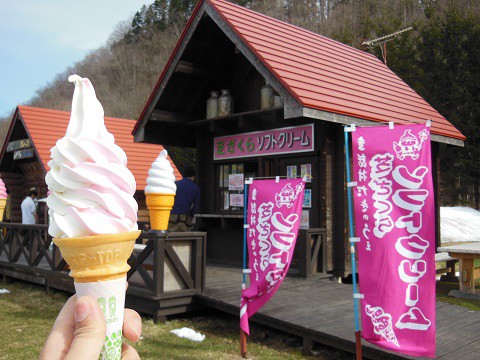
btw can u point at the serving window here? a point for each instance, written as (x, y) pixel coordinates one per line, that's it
(229, 194)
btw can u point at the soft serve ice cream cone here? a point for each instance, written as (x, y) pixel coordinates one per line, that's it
(92, 209)
(160, 191)
(3, 198)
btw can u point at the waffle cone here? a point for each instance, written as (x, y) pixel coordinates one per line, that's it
(159, 207)
(389, 335)
(99, 257)
(3, 203)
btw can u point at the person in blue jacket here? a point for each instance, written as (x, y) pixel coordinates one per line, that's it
(187, 201)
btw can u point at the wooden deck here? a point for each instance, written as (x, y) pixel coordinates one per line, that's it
(319, 310)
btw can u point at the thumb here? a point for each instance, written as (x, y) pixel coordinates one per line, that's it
(89, 331)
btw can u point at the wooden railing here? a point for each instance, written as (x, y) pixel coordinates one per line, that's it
(33, 242)
(168, 265)
(315, 255)
(162, 265)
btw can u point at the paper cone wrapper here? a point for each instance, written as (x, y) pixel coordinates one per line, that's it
(99, 267)
(3, 203)
(159, 207)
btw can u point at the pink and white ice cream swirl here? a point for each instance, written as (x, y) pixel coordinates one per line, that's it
(91, 187)
(3, 190)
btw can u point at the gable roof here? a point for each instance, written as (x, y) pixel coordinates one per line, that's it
(44, 127)
(321, 74)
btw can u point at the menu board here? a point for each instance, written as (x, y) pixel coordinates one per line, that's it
(235, 182)
(305, 220)
(236, 200)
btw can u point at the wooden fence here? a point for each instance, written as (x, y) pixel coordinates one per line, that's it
(167, 270)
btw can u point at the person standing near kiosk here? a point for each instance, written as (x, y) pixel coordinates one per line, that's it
(186, 203)
(29, 208)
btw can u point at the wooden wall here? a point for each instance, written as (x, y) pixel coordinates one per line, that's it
(18, 185)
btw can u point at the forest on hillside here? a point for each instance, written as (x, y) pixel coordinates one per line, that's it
(439, 58)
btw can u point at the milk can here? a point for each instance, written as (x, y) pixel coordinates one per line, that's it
(266, 97)
(225, 103)
(277, 101)
(212, 105)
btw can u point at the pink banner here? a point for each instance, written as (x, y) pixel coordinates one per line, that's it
(273, 219)
(269, 142)
(395, 220)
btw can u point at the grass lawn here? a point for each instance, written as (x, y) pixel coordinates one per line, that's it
(27, 314)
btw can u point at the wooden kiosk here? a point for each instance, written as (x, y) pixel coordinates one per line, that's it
(323, 85)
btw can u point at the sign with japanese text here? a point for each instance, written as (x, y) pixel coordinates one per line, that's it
(22, 154)
(259, 143)
(18, 144)
(395, 220)
(273, 219)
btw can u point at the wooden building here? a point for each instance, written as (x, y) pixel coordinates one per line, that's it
(26, 153)
(324, 85)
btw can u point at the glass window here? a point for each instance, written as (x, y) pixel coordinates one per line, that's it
(229, 184)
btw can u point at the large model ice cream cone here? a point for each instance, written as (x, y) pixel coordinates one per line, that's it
(3, 204)
(159, 208)
(99, 257)
(160, 191)
(3, 198)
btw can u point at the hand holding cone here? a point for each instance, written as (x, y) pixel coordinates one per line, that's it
(92, 210)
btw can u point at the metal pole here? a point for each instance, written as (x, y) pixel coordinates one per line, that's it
(358, 339)
(243, 336)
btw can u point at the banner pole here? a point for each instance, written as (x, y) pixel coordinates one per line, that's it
(243, 336)
(358, 338)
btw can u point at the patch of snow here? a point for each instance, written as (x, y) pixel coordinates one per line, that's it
(4, 291)
(459, 224)
(189, 334)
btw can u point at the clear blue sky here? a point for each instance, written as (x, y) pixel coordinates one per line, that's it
(41, 38)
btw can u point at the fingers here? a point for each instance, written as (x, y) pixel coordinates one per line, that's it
(61, 336)
(89, 332)
(132, 325)
(129, 353)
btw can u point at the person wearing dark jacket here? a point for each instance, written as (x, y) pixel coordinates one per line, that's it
(187, 201)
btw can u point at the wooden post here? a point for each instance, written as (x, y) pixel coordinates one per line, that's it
(358, 344)
(467, 277)
(243, 344)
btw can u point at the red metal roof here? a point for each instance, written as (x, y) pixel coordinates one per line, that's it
(327, 75)
(45, 127)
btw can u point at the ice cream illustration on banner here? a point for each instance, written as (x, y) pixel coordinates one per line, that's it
(3, 198)
(160, 191)
(382, 323)
(93, 212)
